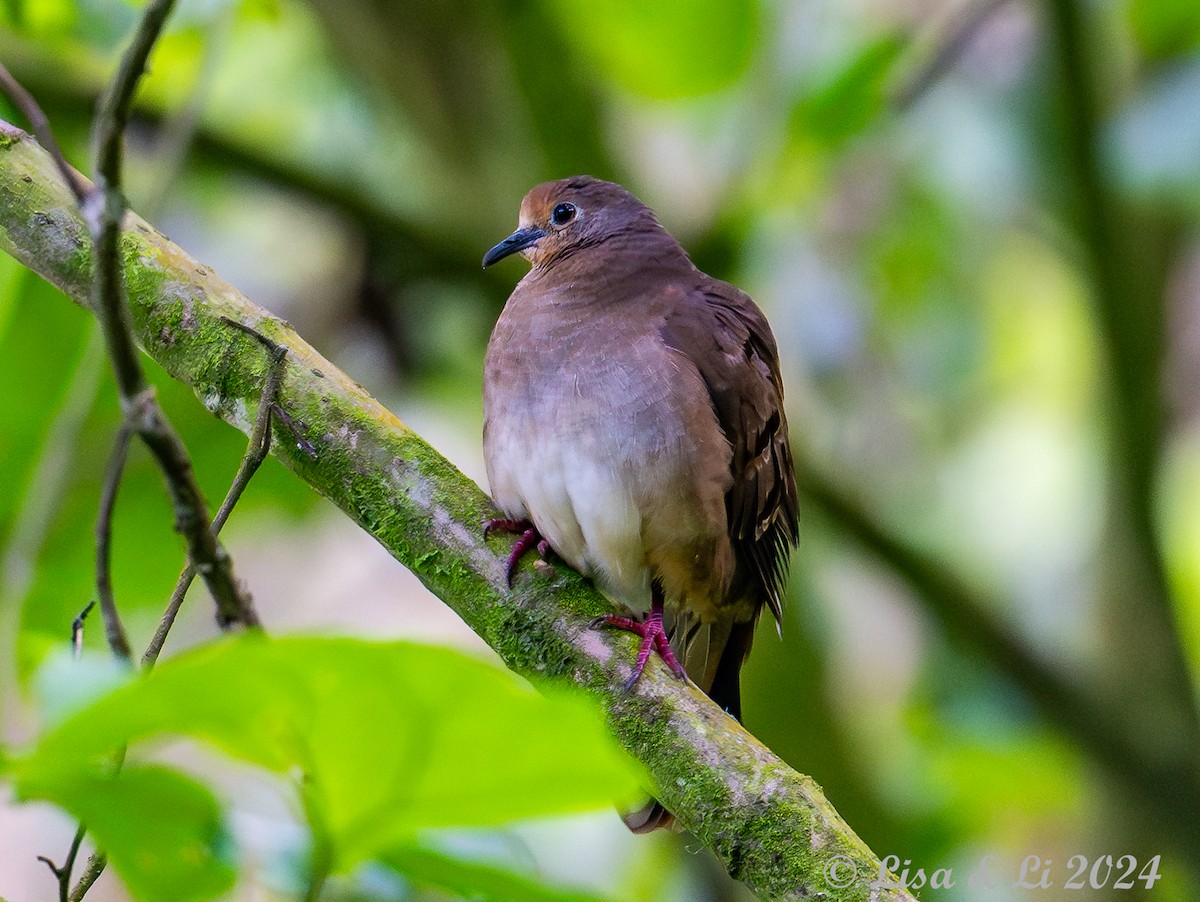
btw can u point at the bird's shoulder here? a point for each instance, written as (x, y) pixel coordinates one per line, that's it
(724, 333)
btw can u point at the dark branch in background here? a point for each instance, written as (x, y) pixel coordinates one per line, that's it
(966, 618)
(950, 44)
(1128, 307)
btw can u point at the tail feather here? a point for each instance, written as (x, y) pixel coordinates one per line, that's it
(650, 817)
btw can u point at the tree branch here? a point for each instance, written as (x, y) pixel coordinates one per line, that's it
(771, 826)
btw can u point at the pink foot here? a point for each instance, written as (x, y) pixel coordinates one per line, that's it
(653, 637)
(529, 538)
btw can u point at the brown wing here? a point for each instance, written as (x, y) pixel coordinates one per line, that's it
(722, 331)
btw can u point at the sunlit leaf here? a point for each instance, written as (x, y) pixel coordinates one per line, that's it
(40, 17)
(1165, 27)
(849, 100)
(390, 739)
(666, 49)
(162, 831)
(434, 867)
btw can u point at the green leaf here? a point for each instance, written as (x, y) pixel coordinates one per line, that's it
(41, 17)
(162, 831)
(848, 101)
(12, 278)
(664, 49)
(443, 870)
(1165, 28)
(390, 739)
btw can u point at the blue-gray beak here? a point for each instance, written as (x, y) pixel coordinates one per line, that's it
(518, 240)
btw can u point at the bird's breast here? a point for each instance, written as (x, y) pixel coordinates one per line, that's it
(586, 434)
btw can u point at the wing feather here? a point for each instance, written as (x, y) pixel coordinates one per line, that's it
(726, 336)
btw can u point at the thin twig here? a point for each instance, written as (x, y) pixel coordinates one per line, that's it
(40, 124)
(64, 880)
(91, 873)
(114, 630)
(258, 447)
(103, 208)
(63, 874)
(77, 628)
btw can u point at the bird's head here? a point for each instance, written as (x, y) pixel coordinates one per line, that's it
(561, 218)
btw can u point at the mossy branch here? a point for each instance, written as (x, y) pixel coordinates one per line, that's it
(771, 826)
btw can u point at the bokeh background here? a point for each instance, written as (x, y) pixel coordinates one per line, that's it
(974, 227)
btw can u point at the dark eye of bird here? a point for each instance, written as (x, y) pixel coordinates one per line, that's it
(563, 214)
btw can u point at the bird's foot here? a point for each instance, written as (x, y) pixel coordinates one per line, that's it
(529, 538)
(654, 637)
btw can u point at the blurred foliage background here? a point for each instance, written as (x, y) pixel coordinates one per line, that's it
(974, 227)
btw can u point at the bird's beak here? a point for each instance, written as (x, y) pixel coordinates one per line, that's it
(518, 240)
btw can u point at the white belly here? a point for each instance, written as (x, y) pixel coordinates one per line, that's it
(580, 494)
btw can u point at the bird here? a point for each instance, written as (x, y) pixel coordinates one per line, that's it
(634, 425)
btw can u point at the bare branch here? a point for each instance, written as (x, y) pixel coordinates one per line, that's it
(63, 874)
(103, 207)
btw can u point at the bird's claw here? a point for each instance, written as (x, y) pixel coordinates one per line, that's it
(654, 637)
(529, 538)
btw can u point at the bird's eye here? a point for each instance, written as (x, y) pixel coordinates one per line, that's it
(563, 214)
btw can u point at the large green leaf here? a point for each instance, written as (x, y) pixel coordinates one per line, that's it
(388, 739)
(431, 866)
(1165, 28)
(162, 831)
(664, 49)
